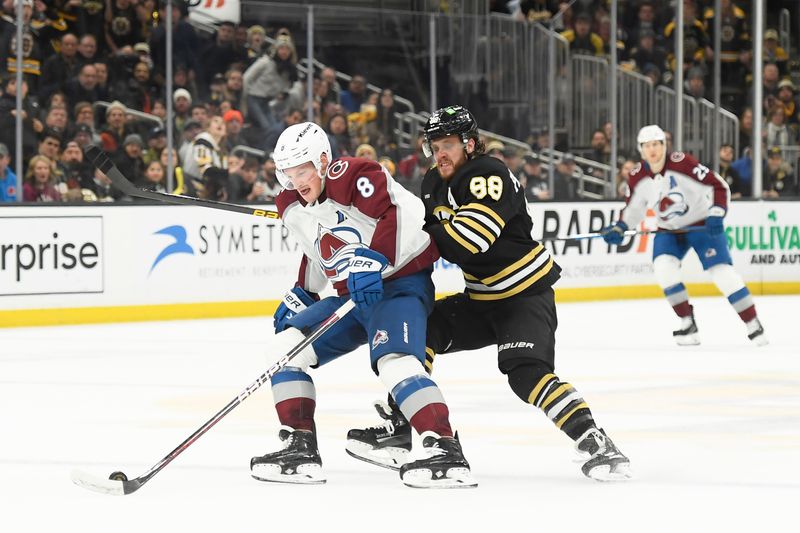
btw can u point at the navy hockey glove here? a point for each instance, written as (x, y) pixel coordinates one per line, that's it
(364, 280)
(714, 224)
(293, 302)
(614, 233)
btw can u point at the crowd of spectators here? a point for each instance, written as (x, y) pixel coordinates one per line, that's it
(94, 73)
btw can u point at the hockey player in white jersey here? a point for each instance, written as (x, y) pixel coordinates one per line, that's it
(362, 232)
(685, 195)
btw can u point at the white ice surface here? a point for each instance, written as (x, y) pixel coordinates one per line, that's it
(713, 432)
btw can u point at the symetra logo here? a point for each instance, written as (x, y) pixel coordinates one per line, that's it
(178, 246)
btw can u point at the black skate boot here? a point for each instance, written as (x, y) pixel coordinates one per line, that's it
(755, 332)
(443, 467)
(605, 462)
(687, 335)
(297, 462)
(385, 445)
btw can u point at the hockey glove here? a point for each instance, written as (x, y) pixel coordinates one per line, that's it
(614, 233)
(364, 280)
(293, 302)
(714, 224)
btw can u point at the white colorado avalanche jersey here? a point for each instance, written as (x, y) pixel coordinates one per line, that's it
(681, 194)
(360, 206)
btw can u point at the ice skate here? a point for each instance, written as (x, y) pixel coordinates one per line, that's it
(386, 444)
(755, 332)
(687, 335)
(443, 467)
(604, 462)
(297, 462)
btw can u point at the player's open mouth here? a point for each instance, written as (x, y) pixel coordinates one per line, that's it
(304, 191)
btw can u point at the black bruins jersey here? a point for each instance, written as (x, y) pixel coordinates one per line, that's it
(480, 221)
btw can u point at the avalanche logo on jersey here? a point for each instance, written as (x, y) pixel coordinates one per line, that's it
(335, 248)
(672, 205)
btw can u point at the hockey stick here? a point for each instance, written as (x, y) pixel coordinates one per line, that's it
(119, 485)
(100, 160)
(594, 235)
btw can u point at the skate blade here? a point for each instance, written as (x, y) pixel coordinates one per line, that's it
(761, 340)
(391, 457)
(308, 474)
(687, 340)
(621, 472)
(456, 478)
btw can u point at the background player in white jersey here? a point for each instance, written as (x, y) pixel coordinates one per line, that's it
(686, 195)
(361, 231)
(477, 213)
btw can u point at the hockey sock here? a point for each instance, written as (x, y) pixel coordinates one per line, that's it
(417, 396)
(678, 298)
(295, 398)
(732, 286)
(430, 355)
(563, 405)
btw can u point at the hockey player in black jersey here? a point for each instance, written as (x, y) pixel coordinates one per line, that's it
(477, 214)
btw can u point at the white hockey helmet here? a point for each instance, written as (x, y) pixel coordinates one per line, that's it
(298, 144)
(650, 133)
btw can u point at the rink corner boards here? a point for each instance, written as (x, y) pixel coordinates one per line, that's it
(203, 310)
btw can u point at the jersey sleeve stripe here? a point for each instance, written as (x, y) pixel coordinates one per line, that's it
(483, 220)
(470, 235)
(490, 237)
(459, 239)
(517, 289)
(515, 266)
(486, 210)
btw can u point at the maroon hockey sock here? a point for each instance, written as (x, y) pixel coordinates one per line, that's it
(682, 309)
(433, 417)
(748, 314)
(297, 413)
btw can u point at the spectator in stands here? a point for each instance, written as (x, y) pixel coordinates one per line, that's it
(39, 185)
(291, 117)
(142, 92)
(645, 22)
(143, 51)
(191, 129)
(367, 151)
(600, 146)
(234, 85)
(695, 39)
(355, 95)
(564, 188)
(537, 186)
(774, 53)
(49, 146)
(728, 173)
(646, 54)
(513, 159)
(328, 74)
(621, 182)
(83, 88)
(84, 114)
(770, 79)
(33, 54)
(736, 55)
(154, 177)
(87, 49)
(382, 129)
(496, 149)
(779, 182)
(74, 170)
(604, 31)
(270, 179)
(245, 186)
(129, 160)
(156, 142)
(218, 55)
(536, 10)
(206, 154)
(60, 67)
(122, 25)
(177, 170)
(339, 135)
(583, 41)
(233, 129)
(777, 132)
(270, 77)
(695, 84)
(256, 35)
(199, 112)
(746, 128)
(102, 88)
(116, 128)
(185, 45)
(182, 105)
(84, 136)
(102, 188)
(57, 118)
(786, 98)
(8, 180)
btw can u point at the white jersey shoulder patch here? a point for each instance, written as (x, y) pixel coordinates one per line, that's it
(677, 157)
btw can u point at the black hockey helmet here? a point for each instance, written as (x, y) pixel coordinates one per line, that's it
(450, 120)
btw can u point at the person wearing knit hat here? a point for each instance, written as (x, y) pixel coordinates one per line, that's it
(233, 114)
(256, 35)
(182, 93)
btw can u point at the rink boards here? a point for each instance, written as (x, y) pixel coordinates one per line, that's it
(84, 264)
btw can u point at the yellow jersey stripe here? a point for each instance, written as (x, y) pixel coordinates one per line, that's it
(460, 240)
(527, 258)
(555, 394)
(516, 290)
(539, 386)
(491, 237)
(486, 210)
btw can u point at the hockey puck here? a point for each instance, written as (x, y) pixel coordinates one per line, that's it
(118, 476)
